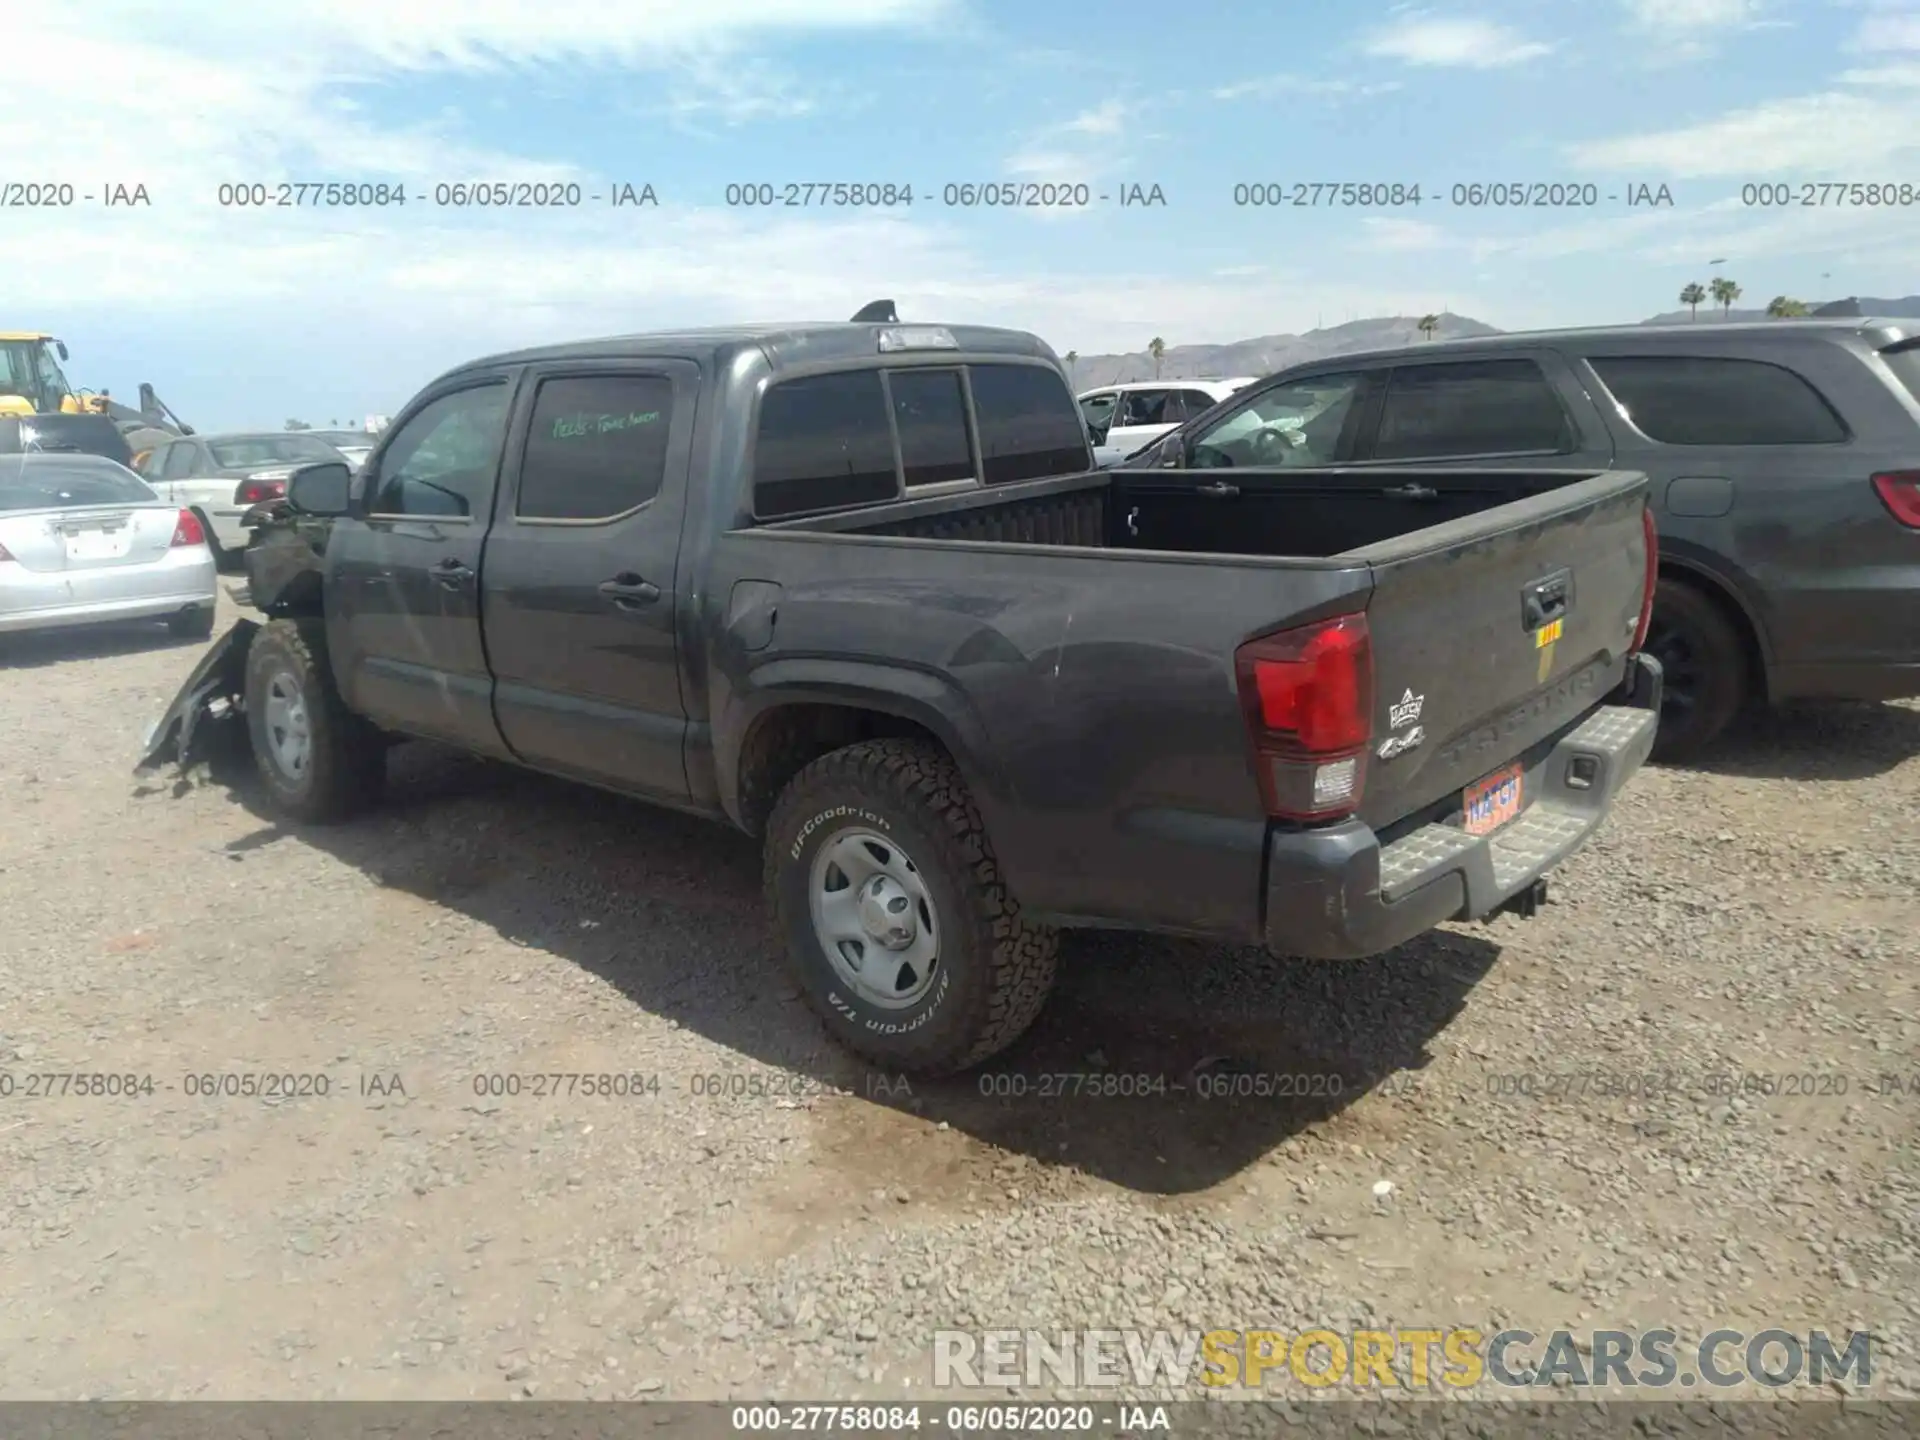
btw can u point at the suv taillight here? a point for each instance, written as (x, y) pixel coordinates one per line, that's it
(252, 492)
(1900, 493)
(1652, 581)
(188, 530)
(1308, 699)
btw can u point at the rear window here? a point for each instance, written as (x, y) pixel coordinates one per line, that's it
(44, 482)
(289, 449)
(1701, 400)
(823, 442)
(930, 412)
(71, 434)
(1486, 407)
(1904, 361)
(598, 446)
(1029, 424)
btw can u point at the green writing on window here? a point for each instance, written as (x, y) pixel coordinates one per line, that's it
(573, 427)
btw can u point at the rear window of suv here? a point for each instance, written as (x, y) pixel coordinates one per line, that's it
(1709, 400)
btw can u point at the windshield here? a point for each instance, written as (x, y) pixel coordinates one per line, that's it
(245, 450)
(28, 369)
(49, 483)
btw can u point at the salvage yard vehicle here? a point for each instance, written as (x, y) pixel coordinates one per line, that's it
(221, 477)
(857, 590)
(1784, 460)
(84, 540)
(1125, 417)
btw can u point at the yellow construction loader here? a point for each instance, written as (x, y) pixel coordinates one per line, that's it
(32, 383)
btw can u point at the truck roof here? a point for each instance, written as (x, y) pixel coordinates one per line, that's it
(784, 345)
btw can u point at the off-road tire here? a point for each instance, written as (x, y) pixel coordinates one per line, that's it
(1714, 672)
(194, 624)
(347, 764)
(995, 968)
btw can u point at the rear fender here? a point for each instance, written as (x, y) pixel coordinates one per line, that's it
(213, 691)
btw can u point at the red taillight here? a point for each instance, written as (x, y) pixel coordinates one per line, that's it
(1900, 493)
(1652, 583)
(252, 492)
(188, 530)
(1308, 698)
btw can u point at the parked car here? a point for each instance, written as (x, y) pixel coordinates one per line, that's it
(64, 435)
(356, 445)
(221, 477)
(84, 540)
(856, 590)
(1785, 462)
(1122, 418)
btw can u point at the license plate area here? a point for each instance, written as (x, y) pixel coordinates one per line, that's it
(101, 540)
(1488, 804)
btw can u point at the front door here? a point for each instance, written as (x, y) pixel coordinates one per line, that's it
(581, 593)
(403, 577)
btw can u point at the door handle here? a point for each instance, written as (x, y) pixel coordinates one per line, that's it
(1219, 490)
(1411, 492)
(452, 574)
(629, 591)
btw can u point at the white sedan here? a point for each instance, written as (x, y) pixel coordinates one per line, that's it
(85, 540)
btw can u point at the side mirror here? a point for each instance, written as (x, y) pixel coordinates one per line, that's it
(1173, 453)
(323, 489)
(61, 346)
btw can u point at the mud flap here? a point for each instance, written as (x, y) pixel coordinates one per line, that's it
(212, 693)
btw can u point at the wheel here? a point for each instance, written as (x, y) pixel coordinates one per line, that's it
(194, 624)
(1704, 665)
(319, 761)
(889, 903)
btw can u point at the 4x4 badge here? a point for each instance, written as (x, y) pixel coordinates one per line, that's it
(1399, 744)
(1406, 712)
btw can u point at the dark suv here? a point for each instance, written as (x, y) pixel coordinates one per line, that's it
(1784, 455)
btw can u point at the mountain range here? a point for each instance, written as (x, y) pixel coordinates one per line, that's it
(1264, 354)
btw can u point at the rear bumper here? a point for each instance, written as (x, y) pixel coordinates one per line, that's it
(1338, 894)
(182, 580)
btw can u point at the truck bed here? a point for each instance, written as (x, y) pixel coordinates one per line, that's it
(1304, 514)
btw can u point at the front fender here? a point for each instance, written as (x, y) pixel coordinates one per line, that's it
(213, 691)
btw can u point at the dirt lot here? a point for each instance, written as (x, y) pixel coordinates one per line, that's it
(766, 1218)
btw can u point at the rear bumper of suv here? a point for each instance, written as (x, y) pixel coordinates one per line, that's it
(1338, 894)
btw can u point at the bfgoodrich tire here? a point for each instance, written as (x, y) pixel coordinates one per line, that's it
(889, 904)
(318, 761)
(1704, 667)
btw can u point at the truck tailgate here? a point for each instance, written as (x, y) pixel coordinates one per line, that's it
(1494, 631)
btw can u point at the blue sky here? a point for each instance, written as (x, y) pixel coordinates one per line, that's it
(245, 317)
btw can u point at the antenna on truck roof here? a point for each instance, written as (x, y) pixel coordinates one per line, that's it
(880, 312)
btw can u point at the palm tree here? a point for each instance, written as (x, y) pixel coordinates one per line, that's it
(1725, 292)
(1157, 348)
(1783, 308)
(1691, 296)
(1073, 358)
(1429, 324)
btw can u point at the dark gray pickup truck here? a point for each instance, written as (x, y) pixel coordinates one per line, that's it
(858, 590)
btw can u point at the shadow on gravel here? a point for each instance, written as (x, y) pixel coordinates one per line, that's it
(1829, 740)
(35, 648)
(1214, 1055)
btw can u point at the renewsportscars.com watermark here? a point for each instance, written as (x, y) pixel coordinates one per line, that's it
(1453, 1358)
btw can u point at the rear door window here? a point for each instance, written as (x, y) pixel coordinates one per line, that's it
(1709, 400)
(597, 447)
(930, 414)
(824, 441)
(1029, 425)
(1470, 407)
(180, 462)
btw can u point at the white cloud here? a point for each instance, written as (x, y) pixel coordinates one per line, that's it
(1888, 30)
(1834, 134)
(1905, 75)
(1084, 149)
(1422, 38)
(1682, 15)
(1270, 86)
(1392, 233)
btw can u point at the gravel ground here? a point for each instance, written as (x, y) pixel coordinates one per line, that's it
(766, 1218)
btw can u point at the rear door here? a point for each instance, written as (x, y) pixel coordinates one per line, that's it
(1141, 416)
(1491, 634)
(581, 572)
(403, 575)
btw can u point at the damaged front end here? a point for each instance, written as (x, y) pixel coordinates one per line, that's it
(210, 701)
